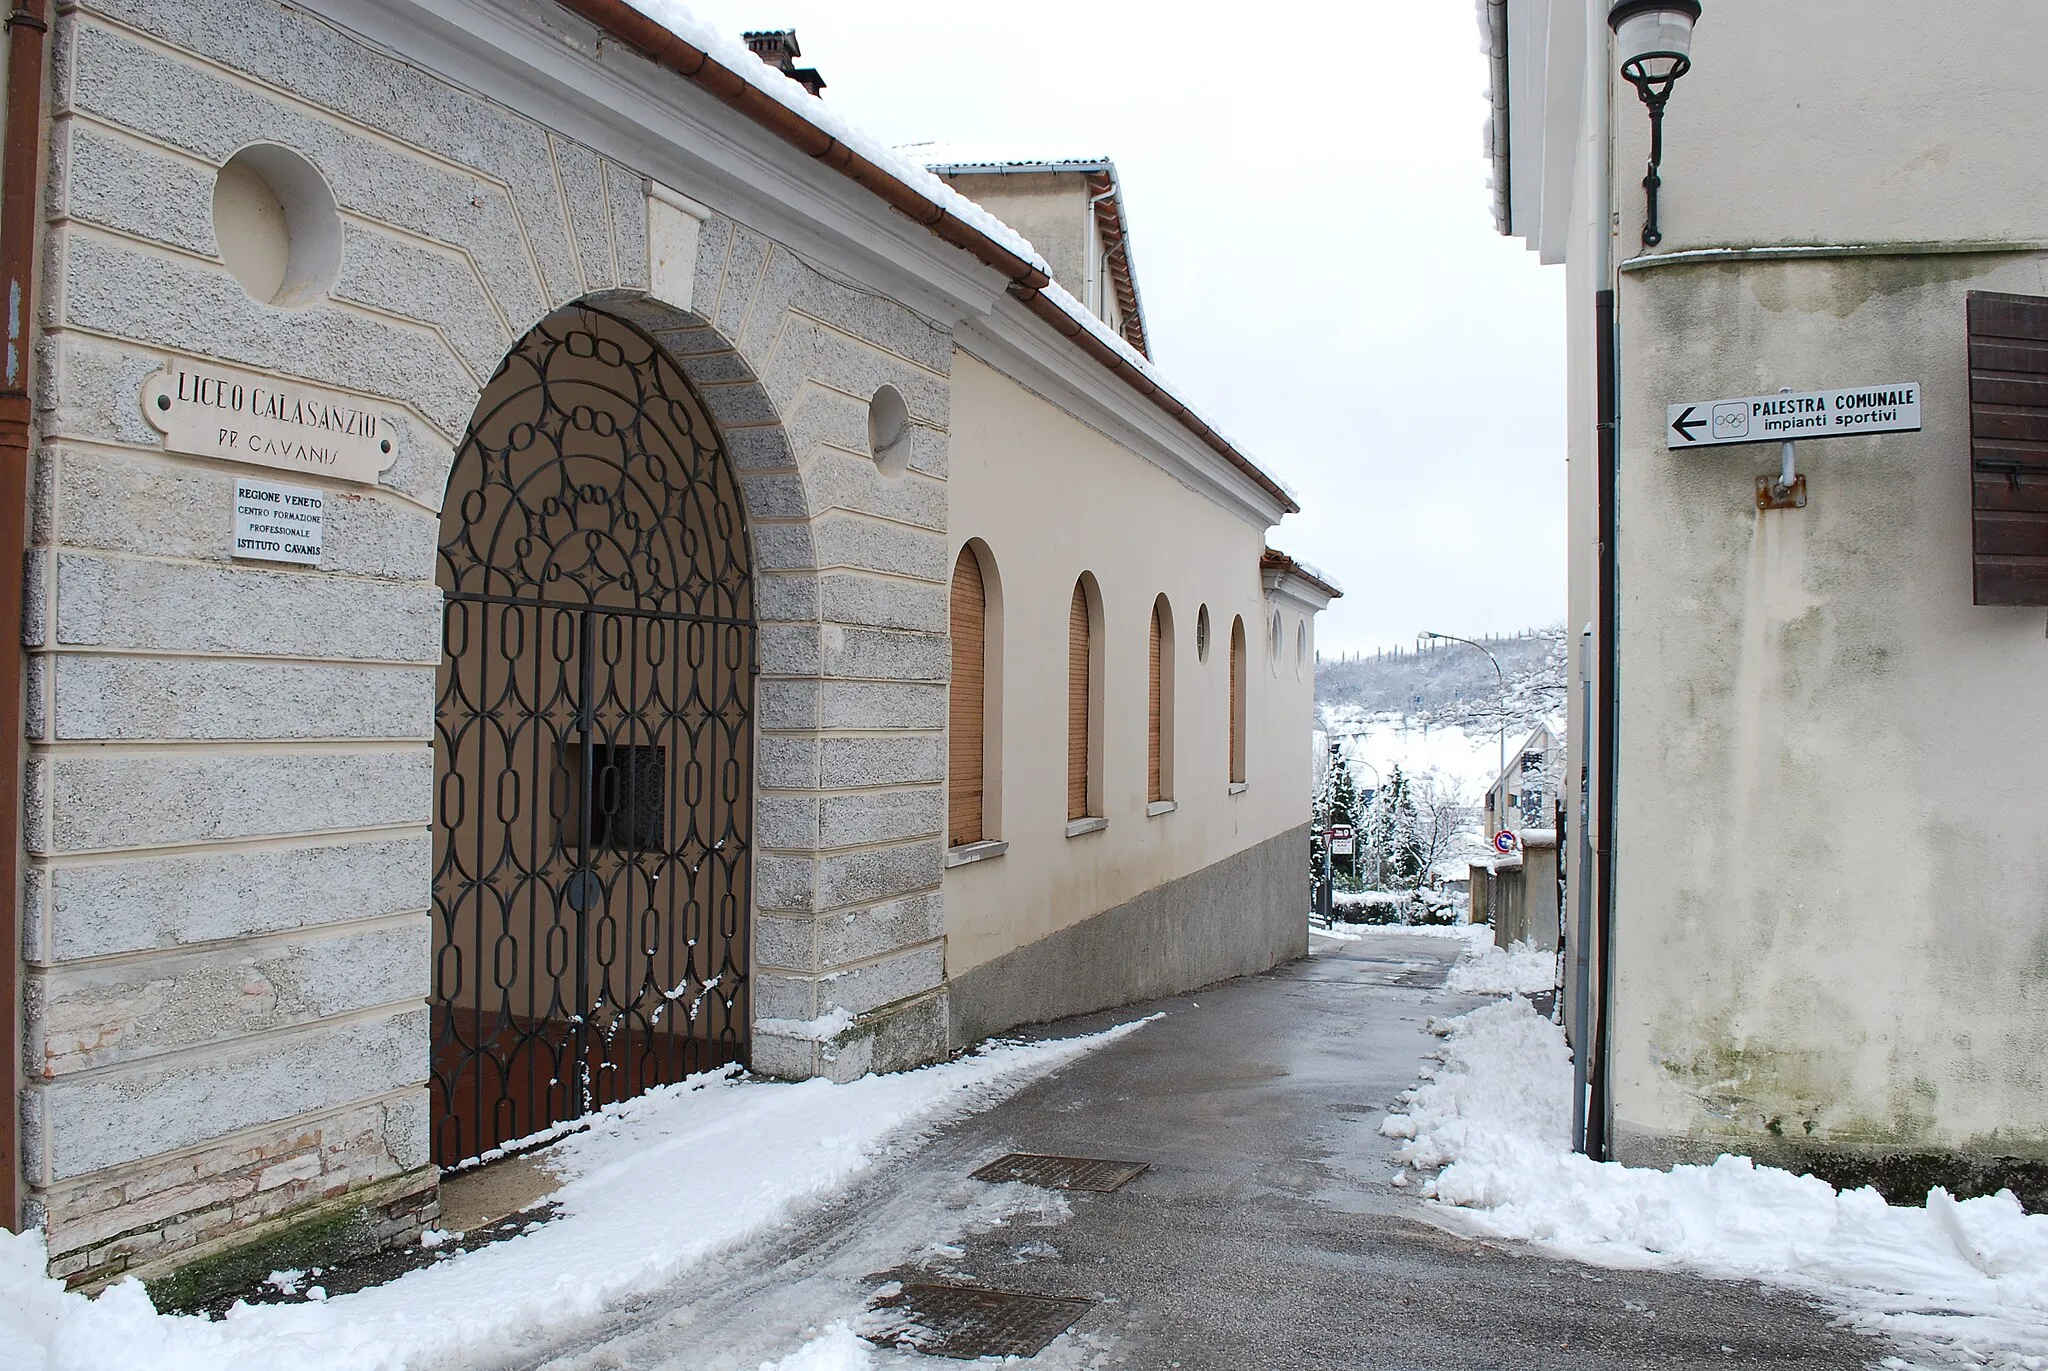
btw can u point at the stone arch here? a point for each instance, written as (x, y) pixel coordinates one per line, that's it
(596, 796)
(851, 562)
(750, 424)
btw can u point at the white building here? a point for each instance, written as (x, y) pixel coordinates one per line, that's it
(1823, 741)
(752, 614)
(1523, 795)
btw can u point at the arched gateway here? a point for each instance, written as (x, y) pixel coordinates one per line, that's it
(593, 741)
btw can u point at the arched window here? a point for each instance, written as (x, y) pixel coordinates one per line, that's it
(1159, 706)
(1084, 702)
(971, 723)
(1237, 684)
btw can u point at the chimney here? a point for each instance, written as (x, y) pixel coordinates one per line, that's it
(777, 47)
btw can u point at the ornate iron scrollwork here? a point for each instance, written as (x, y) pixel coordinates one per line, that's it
(592, 830)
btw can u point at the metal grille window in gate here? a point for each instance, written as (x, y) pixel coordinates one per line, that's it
(593, 742)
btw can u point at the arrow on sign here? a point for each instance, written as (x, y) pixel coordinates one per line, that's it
(1685, 424)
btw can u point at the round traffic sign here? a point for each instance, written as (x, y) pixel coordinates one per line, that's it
(1505, 842)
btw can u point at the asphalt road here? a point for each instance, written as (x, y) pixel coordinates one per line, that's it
(1264, 1235)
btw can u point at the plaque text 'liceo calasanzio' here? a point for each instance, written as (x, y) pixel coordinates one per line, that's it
(243, 416)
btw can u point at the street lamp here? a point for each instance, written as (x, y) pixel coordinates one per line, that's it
(1655, 41)
(1501, 679)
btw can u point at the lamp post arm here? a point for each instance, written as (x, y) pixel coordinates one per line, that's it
(1501, 680)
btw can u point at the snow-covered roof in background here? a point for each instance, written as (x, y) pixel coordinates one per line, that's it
(1280, 566)
(962, 159)
(941, 157)
(733, 55)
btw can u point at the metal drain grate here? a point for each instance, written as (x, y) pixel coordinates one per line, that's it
(1061, 1173)
(966, 1321)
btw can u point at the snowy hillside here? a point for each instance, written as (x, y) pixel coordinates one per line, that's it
(1467, 760)
(1442, 709)
(1404, 682)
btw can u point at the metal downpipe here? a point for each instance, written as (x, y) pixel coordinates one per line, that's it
(1599, 1103)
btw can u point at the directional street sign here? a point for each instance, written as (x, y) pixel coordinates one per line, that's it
(1892, 408)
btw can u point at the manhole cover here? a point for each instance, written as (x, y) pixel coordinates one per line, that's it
(967, 1321)
(1061, 1173)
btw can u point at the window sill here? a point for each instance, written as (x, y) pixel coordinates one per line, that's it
(1238, 787)
(1076, 827)
(976, 852)
(1158, 807)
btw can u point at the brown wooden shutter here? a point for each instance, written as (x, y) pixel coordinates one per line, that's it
(2009, 447)
(1078, 685)
(1237, 700)
(966, 703)
(1155, 788)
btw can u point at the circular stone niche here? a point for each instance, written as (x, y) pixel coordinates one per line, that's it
(277, 226)
(889, 431)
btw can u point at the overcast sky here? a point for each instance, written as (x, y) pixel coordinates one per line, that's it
(1312, 237)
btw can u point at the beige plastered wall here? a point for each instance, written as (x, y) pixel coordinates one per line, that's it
(1832, 890)
(1051, 209)
(1051, 498)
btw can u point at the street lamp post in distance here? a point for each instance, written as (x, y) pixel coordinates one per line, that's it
(1502, 680)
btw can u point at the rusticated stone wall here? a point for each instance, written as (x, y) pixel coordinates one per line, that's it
(227, 930)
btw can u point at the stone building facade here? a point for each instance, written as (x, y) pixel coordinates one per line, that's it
(241, 817)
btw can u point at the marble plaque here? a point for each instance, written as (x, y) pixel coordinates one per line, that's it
(245, 416)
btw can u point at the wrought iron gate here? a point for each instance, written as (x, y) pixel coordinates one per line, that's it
(593, 742)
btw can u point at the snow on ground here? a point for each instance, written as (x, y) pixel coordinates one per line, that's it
(838, 1349)
(1490, 970)
(653, 1186)
(1954, 1282)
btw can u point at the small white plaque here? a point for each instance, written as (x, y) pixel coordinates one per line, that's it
(278, 523)
(245, 416)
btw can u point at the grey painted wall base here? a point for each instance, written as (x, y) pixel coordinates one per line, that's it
(1244, 914)
(1903, 1175)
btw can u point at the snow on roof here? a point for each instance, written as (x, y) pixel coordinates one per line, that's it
(960, 159)
(943, 157)
(735, 56)
(1272, 559)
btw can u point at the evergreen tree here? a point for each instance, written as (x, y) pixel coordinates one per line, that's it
(1339, 803)
(1319, 816)
(1376, 829)
(1393, 834)
(1405, 860)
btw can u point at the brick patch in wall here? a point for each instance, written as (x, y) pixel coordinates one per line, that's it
(160, 1213)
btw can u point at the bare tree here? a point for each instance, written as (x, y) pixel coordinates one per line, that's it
(1446, 824)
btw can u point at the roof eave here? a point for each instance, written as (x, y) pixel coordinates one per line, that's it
(1495, 31)
(662, 46)
(1282, 572)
